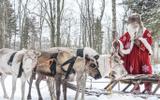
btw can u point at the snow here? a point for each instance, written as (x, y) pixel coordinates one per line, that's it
(96, 84)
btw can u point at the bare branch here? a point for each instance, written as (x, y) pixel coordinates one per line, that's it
(42, 17)
(102, 9)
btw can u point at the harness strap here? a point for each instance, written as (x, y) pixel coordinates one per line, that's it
(54, 55)
(70, 69)
(11, 59)
(71, 62)
(53, 68)
(20, 68)
(53, 65)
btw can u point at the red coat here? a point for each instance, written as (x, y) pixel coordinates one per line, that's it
(137, 59)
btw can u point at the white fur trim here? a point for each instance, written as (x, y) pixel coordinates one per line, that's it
(144, 29)
(127, 51)
(146, 44)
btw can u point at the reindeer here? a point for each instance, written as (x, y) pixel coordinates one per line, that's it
(19, 64)
(85, 63)
(43, 68)
(117, 69)
(81, 66)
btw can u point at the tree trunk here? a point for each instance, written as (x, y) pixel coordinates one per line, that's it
(52, 22)
(24, 28)
(15, 30)
(41, 24)
(58, 22)
(20, 24)
(113, 19)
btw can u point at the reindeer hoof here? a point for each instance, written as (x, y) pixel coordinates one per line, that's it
(40, 99)
(6, 97)
(11, 99)
(29, 98)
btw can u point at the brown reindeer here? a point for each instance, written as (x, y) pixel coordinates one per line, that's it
(82, 68)
(52, 56)
(82, 65)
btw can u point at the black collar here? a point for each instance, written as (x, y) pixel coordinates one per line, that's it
(11, 59)
(80, 52)
(20, 68)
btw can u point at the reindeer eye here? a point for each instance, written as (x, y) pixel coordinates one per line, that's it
(93, 65)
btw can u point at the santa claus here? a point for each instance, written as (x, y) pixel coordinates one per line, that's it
(135, 49)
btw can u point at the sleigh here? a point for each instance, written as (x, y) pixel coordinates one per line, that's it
(129, 81)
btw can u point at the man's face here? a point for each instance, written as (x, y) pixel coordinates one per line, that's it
(135, 25)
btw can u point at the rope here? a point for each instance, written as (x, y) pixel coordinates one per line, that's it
(98, 82)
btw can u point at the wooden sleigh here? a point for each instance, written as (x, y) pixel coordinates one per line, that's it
(130, 80)
(136, 79)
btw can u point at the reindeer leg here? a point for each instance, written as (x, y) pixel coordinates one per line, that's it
(83, 81)
(50, 83)
(23, 81)
(79, 75)
(30, 87)
(77, 91)
(3, 86)
(40, 77)
(65, 89)
(58, 84)
(14, 80)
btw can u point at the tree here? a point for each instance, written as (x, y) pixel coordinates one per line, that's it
(8, 23)
(33, 36)
(41, 22)
(114, 19)
(23, 24)
(90, 26)
(59, 14)
(53, 18)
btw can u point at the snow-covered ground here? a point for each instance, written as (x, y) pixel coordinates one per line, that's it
(99, 84)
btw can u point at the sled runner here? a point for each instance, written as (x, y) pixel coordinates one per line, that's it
(136, 79)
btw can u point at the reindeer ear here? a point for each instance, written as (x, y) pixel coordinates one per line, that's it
(96, 57)
(87, 57)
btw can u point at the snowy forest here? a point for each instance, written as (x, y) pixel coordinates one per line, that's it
(40, 24)
(43, 24)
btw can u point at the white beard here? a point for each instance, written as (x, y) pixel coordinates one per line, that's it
(132, 31)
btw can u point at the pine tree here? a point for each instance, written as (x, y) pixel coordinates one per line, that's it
(8, 23)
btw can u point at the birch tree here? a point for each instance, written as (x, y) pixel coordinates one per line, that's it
(23, 24)
(113, 19)
(91, 28)
(7, 23)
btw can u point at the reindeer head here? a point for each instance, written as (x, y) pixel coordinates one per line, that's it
(92, 66)
(116, 66)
